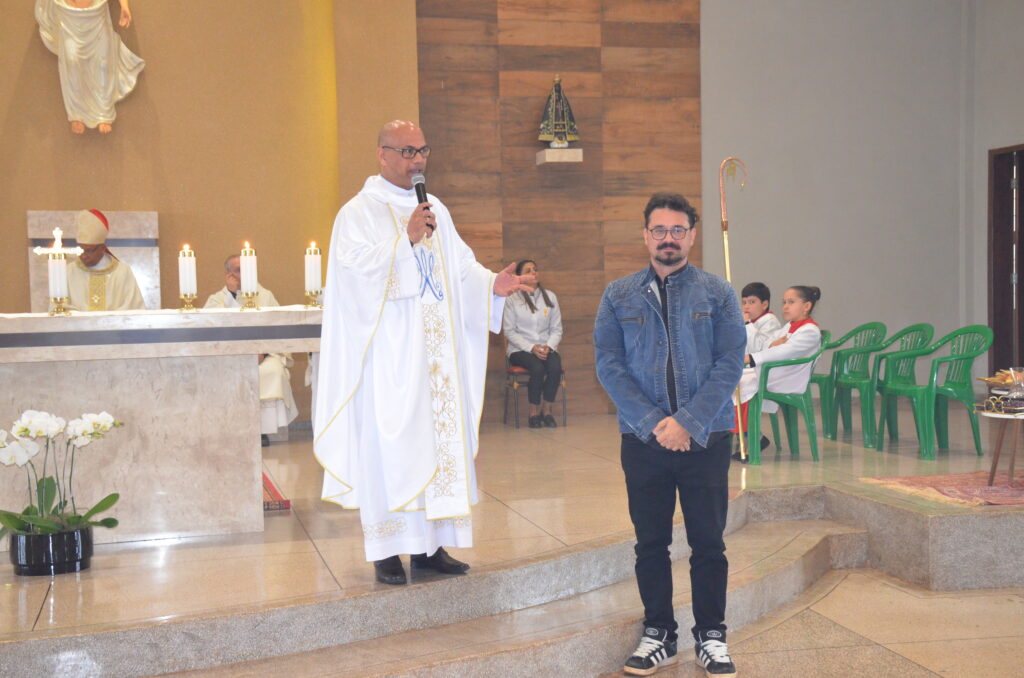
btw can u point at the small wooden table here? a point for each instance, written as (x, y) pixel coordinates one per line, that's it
(1004, 420)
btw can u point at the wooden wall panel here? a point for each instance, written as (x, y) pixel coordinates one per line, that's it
(550, 10)
(631, 69)
(652, 11)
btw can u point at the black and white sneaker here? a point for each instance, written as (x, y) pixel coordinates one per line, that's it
(655, 650)
(713, 654)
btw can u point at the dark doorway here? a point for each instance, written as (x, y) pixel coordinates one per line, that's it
(1005, 257)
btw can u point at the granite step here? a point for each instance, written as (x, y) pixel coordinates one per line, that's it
(589, 633)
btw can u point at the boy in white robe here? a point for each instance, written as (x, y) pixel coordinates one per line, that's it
(761, 323)
(403, 355)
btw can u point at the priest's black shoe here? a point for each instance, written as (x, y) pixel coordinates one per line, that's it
(536, 421)
(439, 562)
(390, 571)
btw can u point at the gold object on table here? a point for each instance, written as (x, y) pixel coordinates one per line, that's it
(60, 306)
(250, 301)
(311, 301)
(186, 303)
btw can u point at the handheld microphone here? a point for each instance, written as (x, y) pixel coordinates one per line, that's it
(419, 182)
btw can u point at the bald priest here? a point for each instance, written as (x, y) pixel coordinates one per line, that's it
(97, 280)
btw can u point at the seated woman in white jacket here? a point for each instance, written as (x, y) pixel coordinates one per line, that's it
(800, 337)
(533, 326)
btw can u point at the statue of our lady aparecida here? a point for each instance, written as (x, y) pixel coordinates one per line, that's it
(96, 69)
(558, 126)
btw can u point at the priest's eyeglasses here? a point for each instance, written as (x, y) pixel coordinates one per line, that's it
(678, 232)
(409, 152)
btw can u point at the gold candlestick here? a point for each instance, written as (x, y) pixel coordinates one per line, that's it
(250, 301)
(186, 303)
(59, 306)
(311, 301)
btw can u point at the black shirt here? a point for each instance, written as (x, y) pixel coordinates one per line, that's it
(670, 375)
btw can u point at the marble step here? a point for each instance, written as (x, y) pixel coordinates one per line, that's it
(590, 633)
(299, 624)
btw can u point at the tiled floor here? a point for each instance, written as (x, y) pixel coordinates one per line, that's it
(864, 623)
(541, 490)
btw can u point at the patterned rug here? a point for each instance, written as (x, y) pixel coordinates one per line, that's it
(273, 500)
(969, 489)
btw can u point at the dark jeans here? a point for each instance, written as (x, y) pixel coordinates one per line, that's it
(654, 475)
(545, 375)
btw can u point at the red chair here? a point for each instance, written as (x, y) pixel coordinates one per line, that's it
(518, 376)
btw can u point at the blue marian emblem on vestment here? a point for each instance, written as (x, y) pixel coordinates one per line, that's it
(429, 279)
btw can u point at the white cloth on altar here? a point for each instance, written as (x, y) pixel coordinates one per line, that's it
(108, 286)
(802, 343)
(379, 432)
(96, 69)
(277, 402)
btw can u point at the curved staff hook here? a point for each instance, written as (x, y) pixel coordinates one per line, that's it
(728, 168)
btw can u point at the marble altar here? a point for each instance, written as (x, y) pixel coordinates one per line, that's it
(188, 460)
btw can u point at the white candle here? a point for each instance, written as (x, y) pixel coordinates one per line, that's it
(312, 269)
(187, 271)
(57, 268)
(248, 267)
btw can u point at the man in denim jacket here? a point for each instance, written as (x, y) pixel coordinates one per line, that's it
(669, 342)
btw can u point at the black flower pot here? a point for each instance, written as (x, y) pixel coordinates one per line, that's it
(49, 554)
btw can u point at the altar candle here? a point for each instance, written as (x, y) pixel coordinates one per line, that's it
(187, 271)
(312, 269)
(57, 269)
(248, 267)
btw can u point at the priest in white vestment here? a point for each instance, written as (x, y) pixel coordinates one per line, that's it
(96, 69)
(277, 403)
(403, 357)
(97, 280)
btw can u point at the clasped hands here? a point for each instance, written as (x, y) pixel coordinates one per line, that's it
(541, 351)
(669, 433)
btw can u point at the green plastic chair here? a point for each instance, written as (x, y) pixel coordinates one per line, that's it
(851, 361)
(789, 403)
(826, 393)
(931, 401)
(897, 371)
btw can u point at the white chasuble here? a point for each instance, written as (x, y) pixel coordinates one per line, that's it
(110, 286)
(401, 375)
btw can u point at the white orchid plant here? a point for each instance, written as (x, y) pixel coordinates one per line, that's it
(51, 499)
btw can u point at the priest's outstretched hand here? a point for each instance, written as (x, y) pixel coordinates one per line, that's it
(508, 282)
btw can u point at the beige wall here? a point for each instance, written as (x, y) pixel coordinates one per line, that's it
(232, 132)
(850, 117)
(375, 43)
(995, 122)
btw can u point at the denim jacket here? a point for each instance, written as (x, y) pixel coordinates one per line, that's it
(708, 342)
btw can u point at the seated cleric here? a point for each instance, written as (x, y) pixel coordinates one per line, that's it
(97, 280)
(277, 404)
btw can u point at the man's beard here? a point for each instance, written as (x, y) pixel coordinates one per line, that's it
(669, 255)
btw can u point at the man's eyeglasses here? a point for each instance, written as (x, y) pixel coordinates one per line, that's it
(409, 152)
(678, 232)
